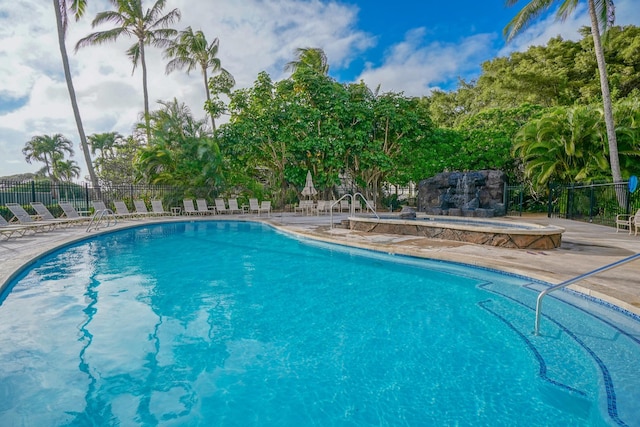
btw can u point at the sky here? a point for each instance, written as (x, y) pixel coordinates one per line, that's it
(409, 46)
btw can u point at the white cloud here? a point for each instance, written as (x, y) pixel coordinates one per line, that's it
(417, 68)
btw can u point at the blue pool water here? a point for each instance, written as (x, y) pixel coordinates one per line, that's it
(235, 324)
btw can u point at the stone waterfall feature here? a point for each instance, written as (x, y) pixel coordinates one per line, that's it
(475, 193)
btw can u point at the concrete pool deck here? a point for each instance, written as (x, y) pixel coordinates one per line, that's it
(585, 247)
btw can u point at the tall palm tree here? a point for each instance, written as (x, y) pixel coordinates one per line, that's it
(47, 149)
(191, 50)
(311, 58)
(62, 19)
(602, 16)
(148, 28)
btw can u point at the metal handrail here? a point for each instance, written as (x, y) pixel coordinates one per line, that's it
(574, 280)
(335, 203)
(99, 216)
(366, 202)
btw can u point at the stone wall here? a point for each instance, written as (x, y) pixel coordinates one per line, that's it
(475, 193)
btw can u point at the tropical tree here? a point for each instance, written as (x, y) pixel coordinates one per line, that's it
(566, 145)
(310, 58)
(62, 18)
(47, 149)
(191, 50)
(148, 28)
(181, 151)
(64, 170)
(601, 13)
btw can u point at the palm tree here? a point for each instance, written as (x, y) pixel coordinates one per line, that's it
(566, 144)
(601, 13)
(65, 170)
(149, 28)
(47, 149)
(310, 58)
(191, 50)
(62, 19)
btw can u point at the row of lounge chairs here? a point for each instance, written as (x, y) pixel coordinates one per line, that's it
(23, 222)
(202, 207)
(309, 207)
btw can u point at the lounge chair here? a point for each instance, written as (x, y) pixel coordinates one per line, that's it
(220, 206)
(9, 230)
(122, 211)
(98, 205)
(305, 206)
(344, 206)
(71, 213)
(46, 215)
(323, 207)
(626, 221)
(158, 209)
(233, 206)
(265, 206)
(23, 217)
(141, 208)
(203, 208)
(254, 206)
(189, 208)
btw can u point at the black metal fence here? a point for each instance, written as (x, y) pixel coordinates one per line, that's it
(596, 203)
(80, 195)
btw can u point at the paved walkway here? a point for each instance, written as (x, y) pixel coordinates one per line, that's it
(584, 248)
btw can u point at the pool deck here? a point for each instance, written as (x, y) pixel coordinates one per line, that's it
(585, 247)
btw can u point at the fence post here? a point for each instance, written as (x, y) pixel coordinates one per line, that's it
(550, 201)
(591, 202)
(86, 196)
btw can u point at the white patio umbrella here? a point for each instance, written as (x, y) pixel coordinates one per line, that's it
(309, 189)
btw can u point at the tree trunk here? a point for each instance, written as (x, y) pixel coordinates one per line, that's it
(72, 95)
(145, 91)
(614, 159)
(206, 88)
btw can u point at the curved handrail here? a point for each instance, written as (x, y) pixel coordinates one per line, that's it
(99, 216)
(366, 202)
(335, 203)
(574, 280)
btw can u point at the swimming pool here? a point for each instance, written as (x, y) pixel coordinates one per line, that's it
(231, 323)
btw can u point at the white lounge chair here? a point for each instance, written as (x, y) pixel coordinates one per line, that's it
(203, 208)
(233, 206)
(220, 206)
(122, 211)
(46, 215)
(636, 222)
(323, 207)
(23, 217)
(305, 207)
(141, 208)
(72, 213)
(254, 206)
(98, 205)
(628, 222)
(158, 209)
(9, 230)
(189, 208)
(265, 206)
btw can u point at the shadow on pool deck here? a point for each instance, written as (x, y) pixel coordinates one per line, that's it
(584, 247)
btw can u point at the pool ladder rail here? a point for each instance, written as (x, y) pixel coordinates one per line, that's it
(574, 280)
(352, 207)
(102, 218)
